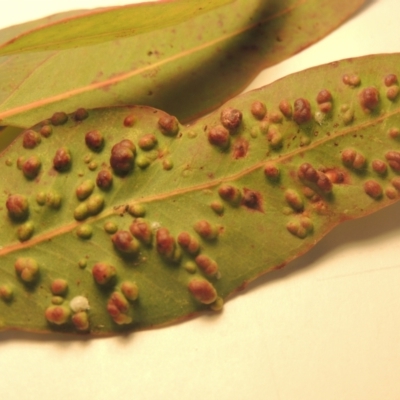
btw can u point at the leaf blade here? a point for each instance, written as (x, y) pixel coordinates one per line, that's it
(273, 222)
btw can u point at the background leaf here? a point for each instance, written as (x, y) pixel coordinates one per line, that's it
(186, 70)
(107, 24)
(253, 195)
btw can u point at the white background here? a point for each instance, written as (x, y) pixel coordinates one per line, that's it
(326, 327)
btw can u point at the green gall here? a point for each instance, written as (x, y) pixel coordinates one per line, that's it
(217, 207)
(110, 227)
(57, 300)
(190, 267)
(167, 164)
(274, 137)
(137, 209)
(31, 167)
(95, 204)
(84, 231)
(25, 231)
(218, 304)
(17, 206)
(85, 189)
(81, 212)
(147, 142)
(41, 198)
(130, 290)
(93, 165)
(142, 161)
(294, 200)
(53, 200)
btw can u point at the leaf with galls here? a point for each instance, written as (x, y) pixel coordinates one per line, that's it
(93, 242)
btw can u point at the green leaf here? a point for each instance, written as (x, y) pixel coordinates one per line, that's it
(185, 70)
(148, 222)
(107, 24)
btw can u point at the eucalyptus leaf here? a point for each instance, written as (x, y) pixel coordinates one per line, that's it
(121, 219)
(186, 70)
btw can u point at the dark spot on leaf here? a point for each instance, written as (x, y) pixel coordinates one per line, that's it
(219, 136)
(125, 242)
(59, 118)
(258, 109)
(122, 156)
(379, 166)
(351, 80)
(206, 264)
(202, 290)
(373, 189)
(231, 118)
(285, 108)
(31, 167)
(324, 96)
(62, 159)
(390, 80)
(104, 179)
(94, 140)
(168, 125)
(30, 139)
(302, 111)
(252, 200)
(17, 206)
(129, 121)
(81, 114)
(240, 148)
(393, 158)
(369, 99)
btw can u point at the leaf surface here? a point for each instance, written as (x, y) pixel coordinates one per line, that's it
(185, 70)
(193, 213)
